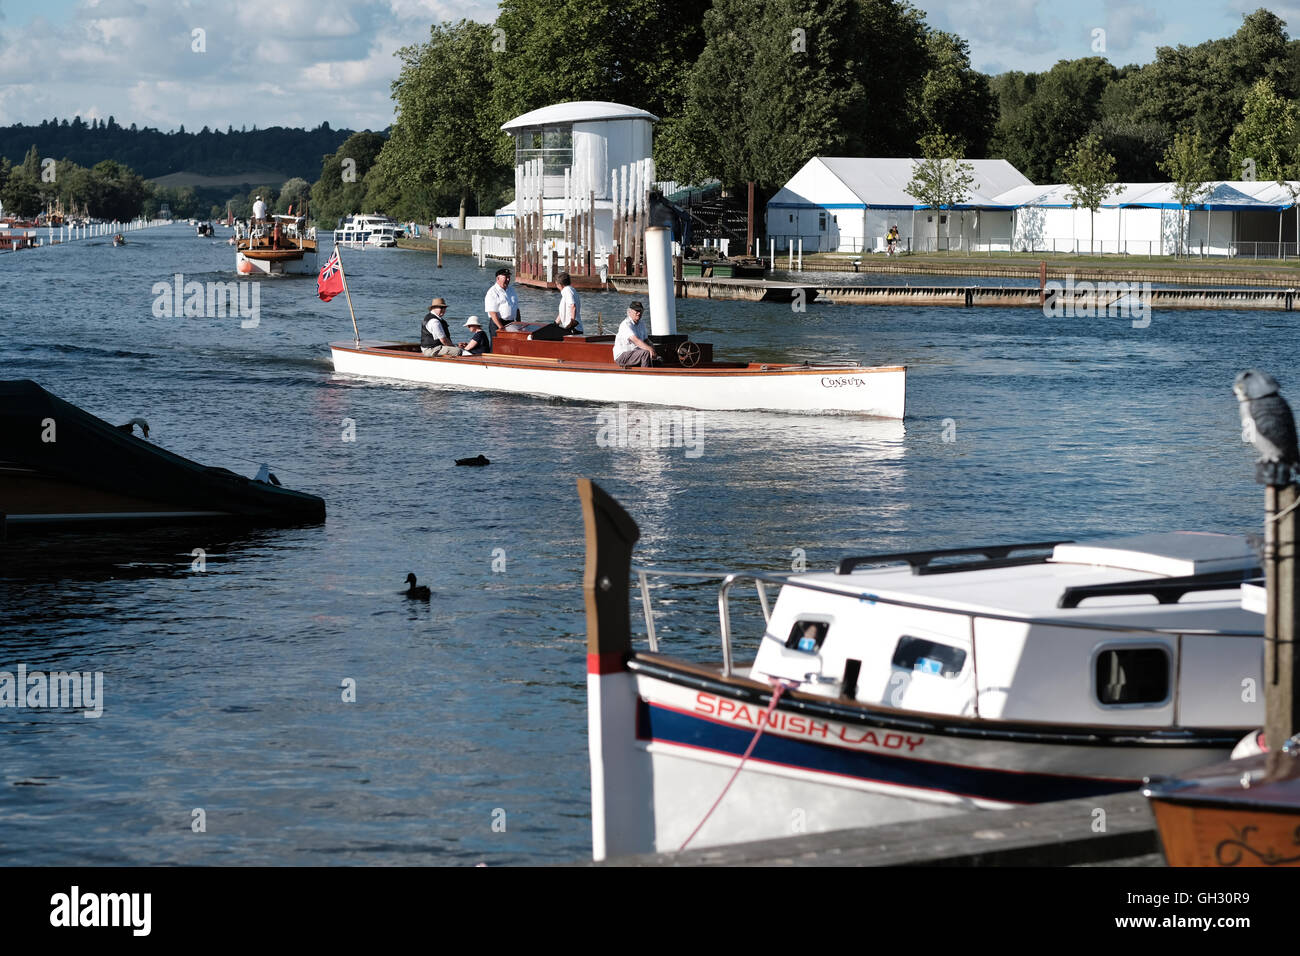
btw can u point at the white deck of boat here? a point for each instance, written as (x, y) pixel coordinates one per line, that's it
(1033, 590)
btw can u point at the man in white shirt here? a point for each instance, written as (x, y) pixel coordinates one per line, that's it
(570, 317)
(259, 209)
(631, 347)
(501, 304)
(435, 337)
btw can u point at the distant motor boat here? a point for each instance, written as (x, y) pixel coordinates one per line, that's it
(204, 229)
(92, 474)
(119, 240)
(358, 229)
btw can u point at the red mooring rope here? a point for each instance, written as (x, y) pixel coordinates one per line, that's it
(779, 687)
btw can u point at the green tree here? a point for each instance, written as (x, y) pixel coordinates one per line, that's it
(437, 143)
(1263, 143)
(1090, 172)
(293, 193)
(954, 98)
(776, 84)
(1187, 164)
(118, 192)
(22, 195)
(626, 51)
(341, 188)
(1205, 87)
(941, 180)
(1042, 115)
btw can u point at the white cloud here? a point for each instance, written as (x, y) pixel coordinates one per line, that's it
(282, 63)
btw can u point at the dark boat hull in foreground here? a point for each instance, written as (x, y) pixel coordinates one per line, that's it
(61, 467)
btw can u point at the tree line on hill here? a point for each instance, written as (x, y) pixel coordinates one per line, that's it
(151, 153)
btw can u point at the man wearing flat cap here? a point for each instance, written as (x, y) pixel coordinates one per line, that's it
(631, 345)
(501, 303)
(435, 337)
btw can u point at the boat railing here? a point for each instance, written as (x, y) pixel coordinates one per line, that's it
(788, 579)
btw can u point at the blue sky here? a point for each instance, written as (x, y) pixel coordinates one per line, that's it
(297, 62)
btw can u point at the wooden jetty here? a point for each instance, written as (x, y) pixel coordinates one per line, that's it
(1082, 298)
(750, 290)
(1116, 830)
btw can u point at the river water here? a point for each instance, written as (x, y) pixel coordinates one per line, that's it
(466, 742)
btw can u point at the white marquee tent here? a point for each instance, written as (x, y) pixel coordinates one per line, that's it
(847, 204)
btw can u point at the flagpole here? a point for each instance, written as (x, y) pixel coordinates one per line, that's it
(344, 275)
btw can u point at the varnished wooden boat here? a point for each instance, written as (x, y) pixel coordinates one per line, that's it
(582, 367)
(281, 246)
(1238, 813)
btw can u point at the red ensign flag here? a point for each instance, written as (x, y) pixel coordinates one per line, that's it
(330, 282)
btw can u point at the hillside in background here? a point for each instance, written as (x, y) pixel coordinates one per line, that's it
(232, 155)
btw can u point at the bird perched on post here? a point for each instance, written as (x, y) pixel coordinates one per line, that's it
(1267, 422)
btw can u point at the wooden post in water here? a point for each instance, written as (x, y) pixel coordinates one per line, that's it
(1282, 570)
(749, 220)
(439, 248)
(1042, 282)
(591, 231)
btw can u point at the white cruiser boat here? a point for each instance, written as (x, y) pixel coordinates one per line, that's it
(367, 229)
(915, 685)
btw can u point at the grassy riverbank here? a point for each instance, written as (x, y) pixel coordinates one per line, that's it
(1189, 271)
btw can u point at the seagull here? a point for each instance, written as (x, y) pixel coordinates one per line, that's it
(129, 427)
(1267, 420)
(416, 593)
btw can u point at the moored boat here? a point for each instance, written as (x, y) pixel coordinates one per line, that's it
(1238, 813)
(61, 467)
(929, 684)
(361, 228)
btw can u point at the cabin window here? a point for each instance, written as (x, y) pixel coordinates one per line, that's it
(1132, 675)
(929, 657)
(807, 636)
(943, 220)
(792, 217)
(821, 221)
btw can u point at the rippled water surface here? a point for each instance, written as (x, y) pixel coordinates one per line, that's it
(222, 687)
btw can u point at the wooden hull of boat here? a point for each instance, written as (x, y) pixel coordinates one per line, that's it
(292, 261)
(1241, 813)
(852, 389)
(1228, 836)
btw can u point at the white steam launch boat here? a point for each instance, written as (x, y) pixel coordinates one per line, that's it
(916, 685)
(583, 367)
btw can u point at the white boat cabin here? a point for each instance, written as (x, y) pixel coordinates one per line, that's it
(1099, 634)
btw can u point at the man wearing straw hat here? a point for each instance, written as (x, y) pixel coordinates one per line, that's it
(435, 338)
